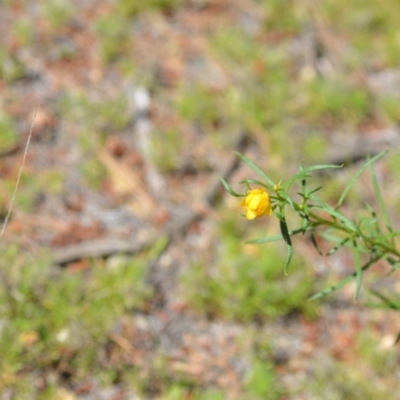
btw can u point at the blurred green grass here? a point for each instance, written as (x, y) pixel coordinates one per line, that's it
(50, 316)
(247, 284)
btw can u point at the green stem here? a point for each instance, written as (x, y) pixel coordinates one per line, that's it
(317, 220)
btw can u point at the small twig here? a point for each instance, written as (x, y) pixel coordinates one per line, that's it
(19, 175)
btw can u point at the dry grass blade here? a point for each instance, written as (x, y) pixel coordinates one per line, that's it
(19, 175)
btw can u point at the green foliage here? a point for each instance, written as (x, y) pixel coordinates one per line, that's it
(244, 286)
(371, 28)
(179, 392)
(166, 146)
(262, 383)
(31, 188)
(367, 237)
(314, 146)
(390, 108)
(93, 172)
(334, 102)
(282, 17)
(383, 358)
(394, 170)
(110, 113)
(57, 13)
(130, 8)
(11, 67)
(232, 43)
(49, 315)
(29, 191)
(53, 180)
(261, 100)
(24, 30)
(8, 133)
(196, 103)
(336, 383)
(113, 34)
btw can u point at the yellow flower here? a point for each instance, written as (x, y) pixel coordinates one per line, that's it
(257, 203)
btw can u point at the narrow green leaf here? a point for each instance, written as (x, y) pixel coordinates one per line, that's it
(332, 288)
(389, 303)
(286, 238)
(267, 239)
(307, 195)
(306, 211)
(397, 339)
(325, 207)
(303, 187)
(374, 221)
(255, 181)
(255, 168)
(370, 209)
(289, 201)
(344, 281)
(275, 238)
(289, 257)
(393, 262)
(229, 189)
(357, 260)
(306, 222)
(339, 246)
(300, 175)
(285, 231)
(371, 224)
(342, 243)
(392, 235)
(381, 203)
(304, 173)
(339, 216)
(314, 242)
(315, 190)
(355, 177)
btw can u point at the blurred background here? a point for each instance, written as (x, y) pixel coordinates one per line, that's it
(124, 268)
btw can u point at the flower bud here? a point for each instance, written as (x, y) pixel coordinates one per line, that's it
(257, 203)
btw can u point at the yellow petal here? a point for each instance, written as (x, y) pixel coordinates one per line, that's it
(250, 214)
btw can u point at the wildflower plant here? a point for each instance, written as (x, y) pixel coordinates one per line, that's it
(369, 239)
